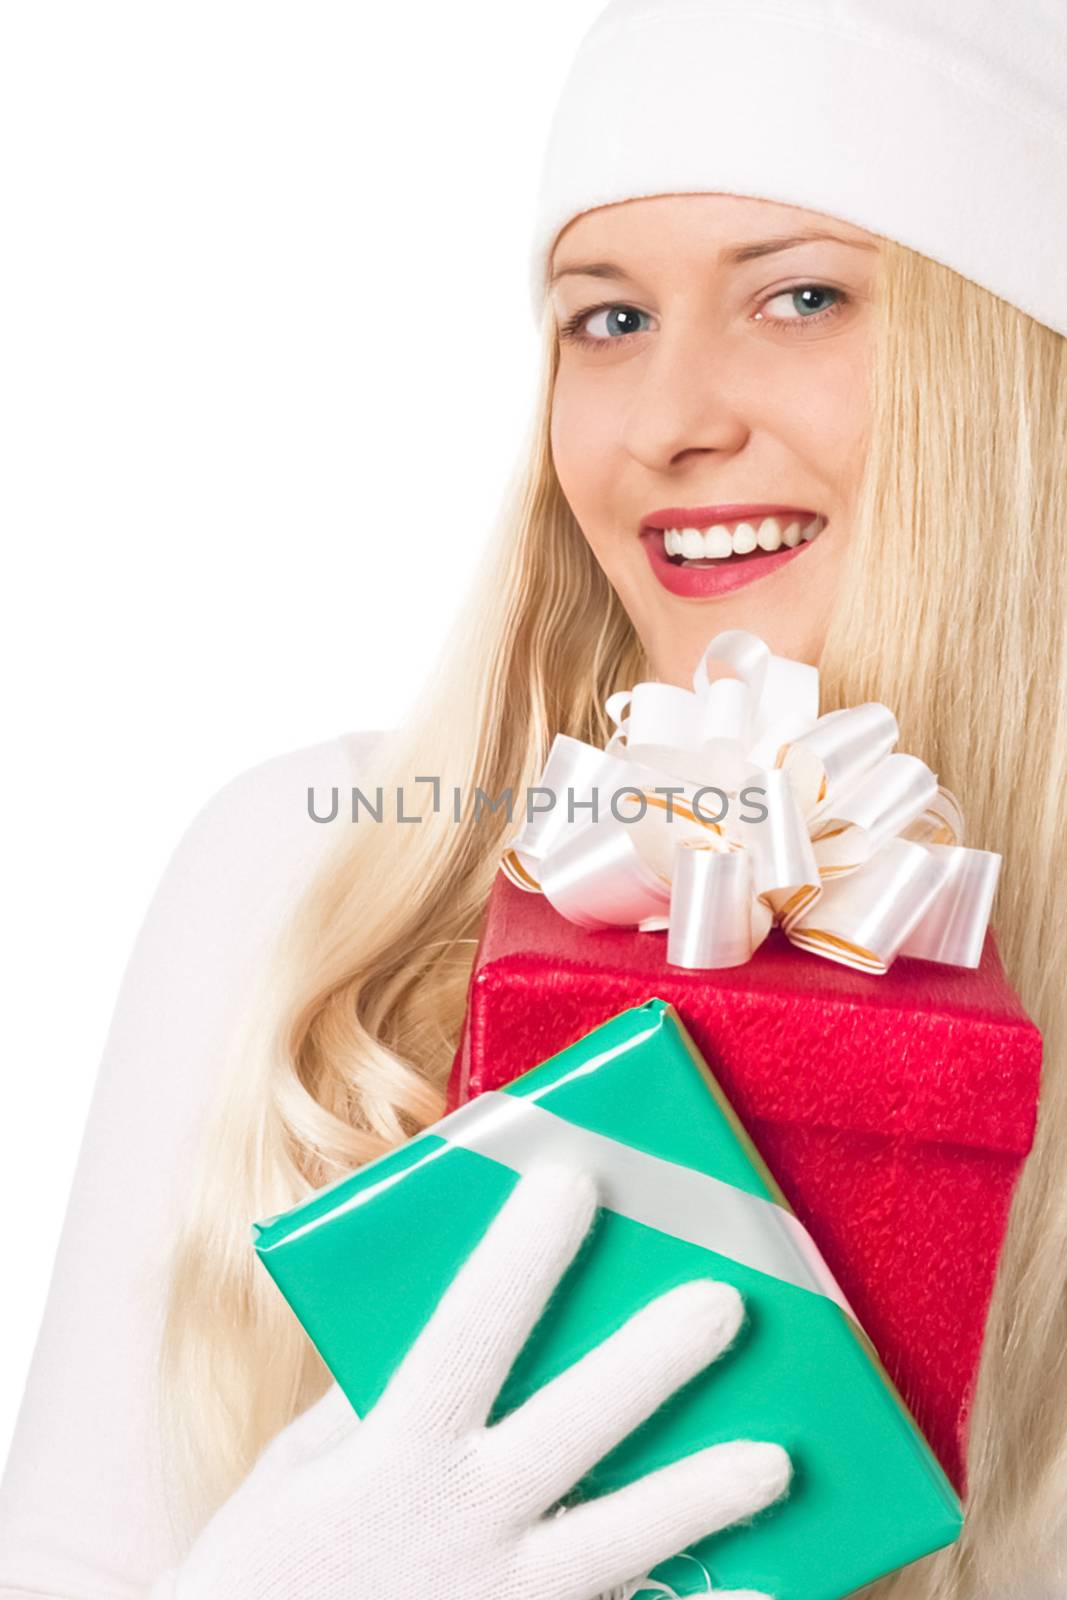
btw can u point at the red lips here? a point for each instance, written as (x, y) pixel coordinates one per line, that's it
(707, 516)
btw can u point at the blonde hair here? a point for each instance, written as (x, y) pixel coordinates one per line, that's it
(952, 610)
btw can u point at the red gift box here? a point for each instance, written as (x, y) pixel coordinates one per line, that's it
(895, 1111)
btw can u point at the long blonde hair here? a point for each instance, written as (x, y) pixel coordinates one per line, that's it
(952, 610)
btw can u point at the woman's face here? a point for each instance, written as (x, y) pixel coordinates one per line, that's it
(709, 412)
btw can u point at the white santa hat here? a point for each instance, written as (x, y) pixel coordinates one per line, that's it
(941, 124)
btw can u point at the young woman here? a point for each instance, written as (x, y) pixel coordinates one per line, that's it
(805, 372)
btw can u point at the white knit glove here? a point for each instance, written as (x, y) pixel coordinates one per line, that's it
(422, 1498)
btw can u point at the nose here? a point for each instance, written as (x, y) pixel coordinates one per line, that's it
(686, 402)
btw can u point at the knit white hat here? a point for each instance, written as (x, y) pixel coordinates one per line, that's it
(941, 124)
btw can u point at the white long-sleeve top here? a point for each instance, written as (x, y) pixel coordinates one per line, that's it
(81, 1509)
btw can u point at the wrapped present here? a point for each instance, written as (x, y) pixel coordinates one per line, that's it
(894, 1110)
(684, 1194)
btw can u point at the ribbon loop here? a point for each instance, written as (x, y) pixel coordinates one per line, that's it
(727, 712)
(710, 917)
(954, 926)
(599, 879)
(849, 742)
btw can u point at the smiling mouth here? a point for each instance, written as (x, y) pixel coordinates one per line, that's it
(705, 552)
(735, 541)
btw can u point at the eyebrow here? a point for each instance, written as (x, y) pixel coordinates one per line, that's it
(733, 255)
(767, 247)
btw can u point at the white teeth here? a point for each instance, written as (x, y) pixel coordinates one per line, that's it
(717, 542)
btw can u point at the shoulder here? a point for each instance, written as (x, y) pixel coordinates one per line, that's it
(268, 804)
(233, 875)
(222, 900)
(259, 830)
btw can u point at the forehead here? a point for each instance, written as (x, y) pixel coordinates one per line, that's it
(701, 222)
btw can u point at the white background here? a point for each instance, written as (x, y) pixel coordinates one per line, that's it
(266, 360)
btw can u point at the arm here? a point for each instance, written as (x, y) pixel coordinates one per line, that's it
(81, 1513)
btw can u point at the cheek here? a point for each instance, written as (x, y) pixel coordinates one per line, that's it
(584, 449)
(824, 417)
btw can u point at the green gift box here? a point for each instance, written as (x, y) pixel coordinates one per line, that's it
(684, 1194)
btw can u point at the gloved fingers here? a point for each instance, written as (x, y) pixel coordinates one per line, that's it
(606, 1541)
(321, 1425)
(453, 1372)
(562, 1430)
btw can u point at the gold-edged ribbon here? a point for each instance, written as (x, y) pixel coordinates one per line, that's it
(777, 817)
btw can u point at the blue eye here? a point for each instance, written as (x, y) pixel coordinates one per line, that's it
(616, 321)
(805, 301)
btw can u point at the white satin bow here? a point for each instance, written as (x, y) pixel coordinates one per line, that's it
(857, 855)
